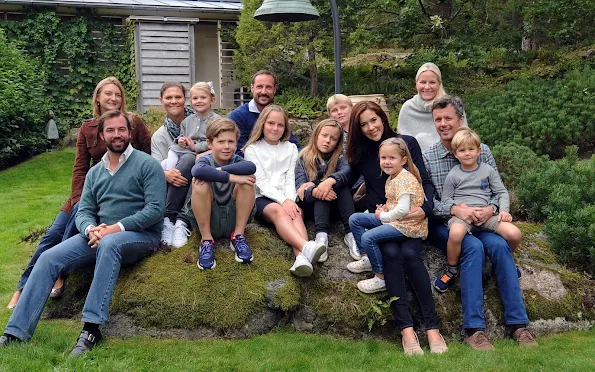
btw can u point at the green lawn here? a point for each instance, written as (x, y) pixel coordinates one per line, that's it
(32, 192)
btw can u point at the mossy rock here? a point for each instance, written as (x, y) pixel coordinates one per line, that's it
(167, 295)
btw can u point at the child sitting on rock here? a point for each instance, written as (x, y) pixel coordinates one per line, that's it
(322, 180)
(473, 185)
(222, 193)
(275, 158)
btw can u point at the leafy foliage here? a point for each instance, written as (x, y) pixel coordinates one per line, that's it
(23, 106)
(543, 115)
(74, 54)
(563, 193)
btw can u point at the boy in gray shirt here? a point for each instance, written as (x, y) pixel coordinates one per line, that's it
(474, 185)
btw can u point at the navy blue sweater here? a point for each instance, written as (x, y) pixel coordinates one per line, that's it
(245, 120)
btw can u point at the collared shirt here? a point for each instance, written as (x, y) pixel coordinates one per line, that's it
(123, 157)
(252, 107)
(439, 161)
(106, 163)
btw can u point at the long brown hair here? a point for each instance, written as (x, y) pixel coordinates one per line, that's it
(257, 131)
(401, 146)
(99, 87)
(312, 155)
(355, 151)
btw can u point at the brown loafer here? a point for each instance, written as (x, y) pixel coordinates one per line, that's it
(524, 337)
(479, 341)
(57, 292)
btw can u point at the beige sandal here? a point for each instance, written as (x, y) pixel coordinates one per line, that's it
(412, 347)
(438, 347)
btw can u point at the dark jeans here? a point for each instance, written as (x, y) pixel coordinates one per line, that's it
(176, 196)
(61, 229)
(405, 258)
(322, 211)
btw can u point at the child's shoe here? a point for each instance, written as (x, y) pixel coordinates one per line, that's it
(349, 241)
(167, 235)
(180, 234)
(313, 250)
(239, 245)
(302, 266)
(360, 266)
(322, 239)
(444, 281)
(372, 285)
(206, 255)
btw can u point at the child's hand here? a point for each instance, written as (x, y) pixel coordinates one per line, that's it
(190, 144)
(504, 217)
(302, 189)
(292, 209)
(379, 209)
(242, 180)
(182, 142)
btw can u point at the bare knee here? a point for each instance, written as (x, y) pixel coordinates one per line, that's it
(201, 189)
(457, 233)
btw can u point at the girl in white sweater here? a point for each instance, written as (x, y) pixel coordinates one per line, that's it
(275, 158)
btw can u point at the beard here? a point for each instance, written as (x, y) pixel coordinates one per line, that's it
(117, 148)
(268, 98)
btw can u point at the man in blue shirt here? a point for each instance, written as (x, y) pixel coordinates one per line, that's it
(120, 217)
(263, 88)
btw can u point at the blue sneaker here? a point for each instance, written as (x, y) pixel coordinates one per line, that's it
(239, 245)
(444, 281)
(206, 255)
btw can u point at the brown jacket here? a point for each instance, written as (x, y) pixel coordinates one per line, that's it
(90, 148)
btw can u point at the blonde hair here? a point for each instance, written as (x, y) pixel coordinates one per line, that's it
(95, 103)
(205, 87)
(220, 125)
(335, 99)
(258, 130)
(313, 156)
(429, 66)
(465, 136)
(403, 151)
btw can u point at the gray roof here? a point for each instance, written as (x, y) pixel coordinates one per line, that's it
(232, 6)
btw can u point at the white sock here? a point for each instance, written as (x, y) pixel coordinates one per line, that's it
(380, 281)
(321, 236)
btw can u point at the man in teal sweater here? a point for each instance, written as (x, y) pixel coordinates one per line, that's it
(120, 218)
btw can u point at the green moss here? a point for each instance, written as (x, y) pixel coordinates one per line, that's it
(569, 306)
(529, 228)
(288, 296)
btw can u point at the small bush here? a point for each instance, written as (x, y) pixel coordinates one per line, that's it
(154, 118)
(298, 104)
(543, 115)
(515, 160)
(23, 106)
(562, 192)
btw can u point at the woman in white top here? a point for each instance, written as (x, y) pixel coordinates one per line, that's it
(275, 158)
(415, 117)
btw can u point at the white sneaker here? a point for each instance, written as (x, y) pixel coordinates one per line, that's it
(313, 250)
(322, 240)
(180, 235)
(167, 234)
(360, 266)
(349, 241)
(301, 267)
(372, 285)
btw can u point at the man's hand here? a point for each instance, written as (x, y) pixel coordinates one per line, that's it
(301, 191)
(242, 180)
(416, 215)
(292, 209)
(483, 214)
(98, 232)
(175, 178)
(504, 217)
(465, 213)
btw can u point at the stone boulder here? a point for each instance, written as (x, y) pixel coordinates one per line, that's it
(168, 296)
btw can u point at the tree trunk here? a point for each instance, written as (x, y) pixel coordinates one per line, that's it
(313, 71)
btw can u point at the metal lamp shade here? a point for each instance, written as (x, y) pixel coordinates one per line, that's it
(286, 11)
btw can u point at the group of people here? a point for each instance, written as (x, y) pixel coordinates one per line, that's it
(433, 179)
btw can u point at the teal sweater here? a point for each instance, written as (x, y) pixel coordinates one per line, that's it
(134, 195)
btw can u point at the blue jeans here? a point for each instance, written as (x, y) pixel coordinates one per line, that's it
(473, 252)
(62, 228)
(115, 249)
(368, 241)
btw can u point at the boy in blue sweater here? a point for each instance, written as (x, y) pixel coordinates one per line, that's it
(223, 194)
(120, 218)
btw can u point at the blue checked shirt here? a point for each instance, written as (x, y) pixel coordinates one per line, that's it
(439, 161)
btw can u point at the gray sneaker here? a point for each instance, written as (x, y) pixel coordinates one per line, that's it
(349, 241)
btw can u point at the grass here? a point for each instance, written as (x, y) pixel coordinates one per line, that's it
(32, 192)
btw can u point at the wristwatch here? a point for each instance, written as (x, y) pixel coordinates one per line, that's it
(495, 209)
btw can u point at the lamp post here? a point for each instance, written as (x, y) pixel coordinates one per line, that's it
(299, 11)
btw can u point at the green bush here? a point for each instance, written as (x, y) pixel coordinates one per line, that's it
(541, 114)
(562, 193)
(23, 107)
(298, 104)
(515, 160)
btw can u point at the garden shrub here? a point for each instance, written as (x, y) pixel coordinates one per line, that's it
(299, 105)
(562, 193)
(515, 160)
(543, 115)
(23, 107)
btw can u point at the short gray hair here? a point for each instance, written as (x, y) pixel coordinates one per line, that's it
(446, 100)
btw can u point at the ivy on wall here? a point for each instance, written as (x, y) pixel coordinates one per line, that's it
(74, 54)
